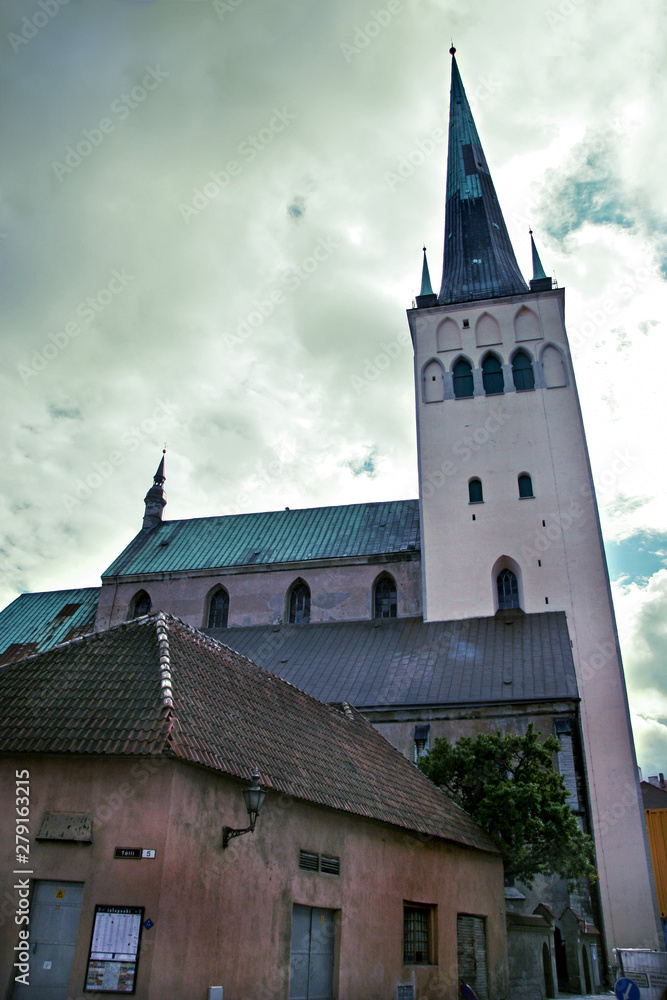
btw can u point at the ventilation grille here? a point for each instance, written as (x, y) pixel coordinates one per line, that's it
(311, 862)
(329, 866)
(406, 992)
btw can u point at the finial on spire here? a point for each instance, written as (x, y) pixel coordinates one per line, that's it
(452, 51)
(426, 296)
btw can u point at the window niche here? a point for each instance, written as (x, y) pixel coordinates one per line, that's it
(475, 493)
(522, 372)
(218, 609)
(434, 382)
(299, 603)
(525, 486)
(385, 598)
(140, 605)
(418, 934)
(492, 376)
(464, 385)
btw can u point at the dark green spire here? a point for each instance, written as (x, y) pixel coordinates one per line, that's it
(479, 261)
(427, 296)
(539, 282)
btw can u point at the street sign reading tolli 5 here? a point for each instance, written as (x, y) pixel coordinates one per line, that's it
(626, 989)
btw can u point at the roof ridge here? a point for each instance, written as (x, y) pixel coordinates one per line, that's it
(167, 691)
(292, 510)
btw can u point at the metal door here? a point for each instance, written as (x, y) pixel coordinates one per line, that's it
(54, 919)
(311, 972)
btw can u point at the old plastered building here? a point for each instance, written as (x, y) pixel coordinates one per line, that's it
(483, 604)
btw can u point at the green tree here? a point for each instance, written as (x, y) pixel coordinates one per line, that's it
(510, 786)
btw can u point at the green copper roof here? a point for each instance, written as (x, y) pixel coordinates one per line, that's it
(479, 261)
(35, 622)
(273, 537)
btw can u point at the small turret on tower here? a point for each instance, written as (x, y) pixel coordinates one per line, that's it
(155, 499)
(426, 297)
(539, 282)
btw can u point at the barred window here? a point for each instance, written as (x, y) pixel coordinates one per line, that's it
(299, 604)
(385, 598)
(492, 376)
(522, 372)
(218, 609)
(508, 590)
(417, 935)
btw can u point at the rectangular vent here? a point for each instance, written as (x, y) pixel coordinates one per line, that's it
(406, 992)
(329, 866)
(309, 861)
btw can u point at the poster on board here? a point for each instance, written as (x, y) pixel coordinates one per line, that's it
(114, 949)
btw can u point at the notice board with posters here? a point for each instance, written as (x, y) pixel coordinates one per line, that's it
(114, 949)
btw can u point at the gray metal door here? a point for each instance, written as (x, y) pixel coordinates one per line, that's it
(311, 973)
(54, 919)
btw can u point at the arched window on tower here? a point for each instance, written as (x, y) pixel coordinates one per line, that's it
(475, 494)
(141, 605)
(525, 486)
(385, 600)
(463, 381)
(218, 609)
(508, 590)
(522, 372)
(299, 603)
(492, 376)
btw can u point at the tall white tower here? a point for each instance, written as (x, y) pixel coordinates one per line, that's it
(508, 511)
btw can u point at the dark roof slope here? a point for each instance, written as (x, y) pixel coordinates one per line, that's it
(406, 661)
(279, 536)
(34, 622)
(157, 686)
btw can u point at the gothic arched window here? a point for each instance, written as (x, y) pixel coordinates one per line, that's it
(385, 598)
(218, 609)
(299, 604)
(463, 381)
(522, 372)
(141, 605)
(475, 494)
(525, 486)
(492, 376)
(508, 590)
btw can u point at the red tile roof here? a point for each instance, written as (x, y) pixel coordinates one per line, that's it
(156, 686)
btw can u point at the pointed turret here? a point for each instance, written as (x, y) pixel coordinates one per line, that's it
(427, 296)
(155, 500)
(539, 282)
(479, 261)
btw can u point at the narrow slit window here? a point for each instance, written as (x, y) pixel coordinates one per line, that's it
(475, 494)
(142, 605)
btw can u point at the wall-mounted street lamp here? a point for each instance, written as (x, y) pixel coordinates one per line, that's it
(254, 799)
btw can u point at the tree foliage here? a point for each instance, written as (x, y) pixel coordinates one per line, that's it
(510, 786)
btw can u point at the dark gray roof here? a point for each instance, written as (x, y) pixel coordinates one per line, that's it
(406, 661)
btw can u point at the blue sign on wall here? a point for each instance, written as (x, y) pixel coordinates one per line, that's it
(626, 989)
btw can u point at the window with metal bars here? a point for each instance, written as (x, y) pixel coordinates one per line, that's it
(508, 590)
(417, 935)
(522, 372)
(299, 604)
(492, 376)
(462, 379)
(385, 598)
(218, 609)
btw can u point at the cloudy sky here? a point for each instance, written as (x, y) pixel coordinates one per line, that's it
(207, 239)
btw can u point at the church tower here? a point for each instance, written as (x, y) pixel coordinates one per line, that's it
(509, 520)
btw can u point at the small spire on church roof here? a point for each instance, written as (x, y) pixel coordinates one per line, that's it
(540, 282)
(155, 501)
(159, 477)
(427, 296)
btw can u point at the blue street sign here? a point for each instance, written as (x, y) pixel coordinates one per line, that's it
(148, 924)
(626, 989)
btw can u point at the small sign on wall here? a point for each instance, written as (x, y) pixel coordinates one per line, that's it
(114, 949)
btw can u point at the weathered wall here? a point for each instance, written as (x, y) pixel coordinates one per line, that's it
(552, 542)
(259, 596)
(224, 917)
